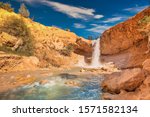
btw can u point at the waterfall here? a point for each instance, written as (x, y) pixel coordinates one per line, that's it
(96, 54)
(95, 57)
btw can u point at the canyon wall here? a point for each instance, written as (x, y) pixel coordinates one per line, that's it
(127, 45)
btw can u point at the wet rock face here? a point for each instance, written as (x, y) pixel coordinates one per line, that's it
(126, 43)
(127, 80)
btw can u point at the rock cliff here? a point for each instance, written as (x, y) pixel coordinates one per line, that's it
(127, 45)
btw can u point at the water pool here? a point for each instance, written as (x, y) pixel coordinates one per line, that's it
(58, 88)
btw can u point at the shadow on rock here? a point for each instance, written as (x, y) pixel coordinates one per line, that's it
(67, 76)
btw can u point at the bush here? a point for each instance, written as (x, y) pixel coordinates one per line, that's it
(90, 38)
(6, 6)
(145, 20)
(17, 27)
(68, 50)
(68, 29)
(24, 11)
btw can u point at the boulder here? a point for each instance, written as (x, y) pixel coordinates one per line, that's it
(127, 80)
(83, 47)
(121, 96)
(72, 83)
(141, 93)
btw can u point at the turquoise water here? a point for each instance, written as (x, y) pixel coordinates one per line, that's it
(88, 88)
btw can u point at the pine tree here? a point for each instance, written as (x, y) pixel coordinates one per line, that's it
(6, 6)
(24, 11)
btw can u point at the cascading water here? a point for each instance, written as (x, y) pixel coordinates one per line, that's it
(96, 55)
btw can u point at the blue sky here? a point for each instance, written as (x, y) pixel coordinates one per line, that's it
(84, 17)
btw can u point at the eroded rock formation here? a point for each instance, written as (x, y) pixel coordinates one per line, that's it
(127, 45)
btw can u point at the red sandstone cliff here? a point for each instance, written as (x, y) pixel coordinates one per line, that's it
(126, 45)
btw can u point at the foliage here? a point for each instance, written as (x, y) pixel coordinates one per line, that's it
(68, 29)
(90, 38)
(17, 27)
(145, 20)
(24, 11)
(6, 6)
(68, 50)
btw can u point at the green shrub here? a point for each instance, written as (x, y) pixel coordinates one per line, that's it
(68, 50)
(90, 38)
(6, 6)
(145, 20)
(17, 27)
(68, 29)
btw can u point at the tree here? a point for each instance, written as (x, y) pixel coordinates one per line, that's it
(17, 27)
(90, 38)
(68, 29)
(24, 11)
(6, 6)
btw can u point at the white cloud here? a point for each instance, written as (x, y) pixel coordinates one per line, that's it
(98, 28)
(114, 19)
(135, 9)
(72, 11)
(98, 16)
(94, 24)
(77, 25)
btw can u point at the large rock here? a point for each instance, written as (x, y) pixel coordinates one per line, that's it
(127, 80)
(141, 93)
(83, 47)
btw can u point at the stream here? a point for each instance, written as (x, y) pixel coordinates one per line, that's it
(64, 86)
